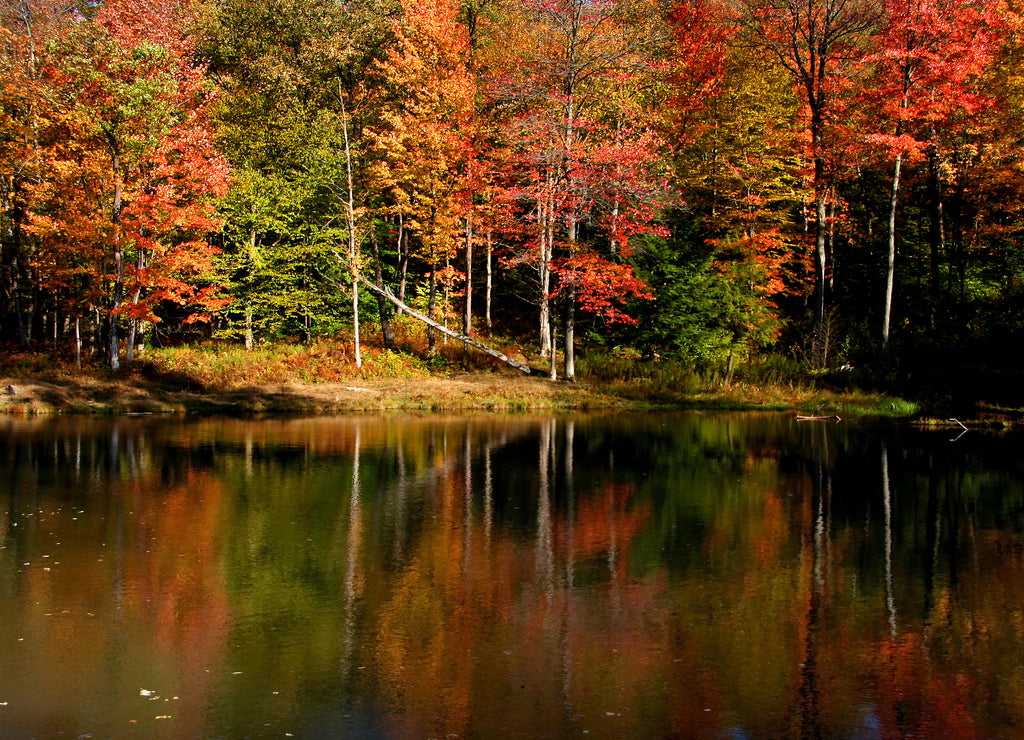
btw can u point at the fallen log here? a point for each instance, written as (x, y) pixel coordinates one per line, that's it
(835, 418)
(387, 294)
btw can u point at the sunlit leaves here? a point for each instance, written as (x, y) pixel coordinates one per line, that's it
(132, 165)
(418, 138)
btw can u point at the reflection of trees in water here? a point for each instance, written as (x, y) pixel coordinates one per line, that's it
(656, 575)
(116, 582)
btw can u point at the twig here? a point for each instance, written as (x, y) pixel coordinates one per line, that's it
(962, 426)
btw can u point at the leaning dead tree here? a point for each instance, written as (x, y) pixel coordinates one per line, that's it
(386, 292)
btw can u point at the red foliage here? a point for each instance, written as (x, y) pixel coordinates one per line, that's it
(132, 168)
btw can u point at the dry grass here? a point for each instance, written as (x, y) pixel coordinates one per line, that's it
(321, 377)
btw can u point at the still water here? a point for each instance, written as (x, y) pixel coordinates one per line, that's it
(638, 576)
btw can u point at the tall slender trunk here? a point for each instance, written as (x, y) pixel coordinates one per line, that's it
(570, 311)
(890, 275)
(936, 232)
(432, 308)
(254, 262)
(490, 279)
(467, 316)
(249, 340)
(818, 345)
(572, 236)
(135, 326)
(387, 335)
(352, 252)
(553, 356)
(99, 336)
(819, 350)
(403, 258)
(959, 247)
(19, 314)
(445, 299)
(570, 333)
(114, 346)
(546, 235)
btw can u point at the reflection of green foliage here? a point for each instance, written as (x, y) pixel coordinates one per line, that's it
(678, 563)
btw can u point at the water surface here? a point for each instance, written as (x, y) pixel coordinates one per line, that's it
(637, 576)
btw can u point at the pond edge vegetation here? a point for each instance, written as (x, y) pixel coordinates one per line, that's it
(319, 377)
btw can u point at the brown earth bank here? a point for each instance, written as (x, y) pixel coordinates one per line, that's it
(469, 392)
(316, 381)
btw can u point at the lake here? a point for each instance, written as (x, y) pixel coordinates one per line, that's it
(688, 575)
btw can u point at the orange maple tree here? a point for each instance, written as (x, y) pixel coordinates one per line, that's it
(131, 170)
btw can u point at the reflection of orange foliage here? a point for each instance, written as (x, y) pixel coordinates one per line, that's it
(916, 698)
(429, 628)
(469, 599)
(774, 530)
(181, 576)
(603, 524)
(147, 572)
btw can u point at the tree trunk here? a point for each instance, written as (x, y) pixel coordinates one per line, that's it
(890, 275)
(553, 356)
(570, 333)
(818, 349)
(352, 249)
(114, 346)
(546, 236)
(490, 279)
(134, 324)
(936, 232)
(467, 316)
(431, 312)
(249, 343)
(387, 335)
(99, 338)
(19, 314)
(490, 351)
(570, 309)
(403, 258)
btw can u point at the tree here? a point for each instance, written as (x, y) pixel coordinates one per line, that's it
(740, 174)
(293, 77)
(419, 134)
(821, 43)
(26, 28)
(575, 166)
(929, 58)
(133, 167)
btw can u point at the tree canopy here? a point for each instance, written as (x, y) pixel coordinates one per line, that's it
(706, 180)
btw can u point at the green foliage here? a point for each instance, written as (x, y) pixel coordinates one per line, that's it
(702, 312)
(654, 376)
(770, 369)
(443, 107)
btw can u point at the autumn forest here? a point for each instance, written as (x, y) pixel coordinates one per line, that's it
(837, 183)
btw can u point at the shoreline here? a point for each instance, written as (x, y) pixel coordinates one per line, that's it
(100, 394)
(465, 393)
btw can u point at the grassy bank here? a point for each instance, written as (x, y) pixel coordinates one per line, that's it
(321, 377)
